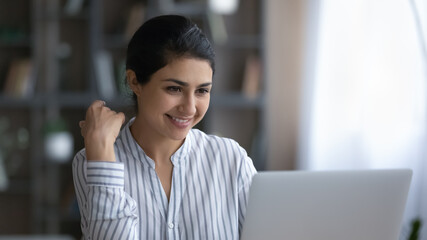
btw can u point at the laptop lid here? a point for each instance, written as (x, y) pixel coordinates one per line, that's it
(327, 205)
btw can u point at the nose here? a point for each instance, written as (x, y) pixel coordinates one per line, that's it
(188, 105)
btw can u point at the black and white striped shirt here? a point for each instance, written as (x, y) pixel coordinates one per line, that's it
(125, 199)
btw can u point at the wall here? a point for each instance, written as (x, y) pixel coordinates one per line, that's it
(284, 26)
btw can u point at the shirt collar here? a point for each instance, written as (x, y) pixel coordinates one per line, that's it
(176, 158)
(182, 151)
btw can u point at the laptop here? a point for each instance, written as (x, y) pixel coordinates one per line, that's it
(327, 205)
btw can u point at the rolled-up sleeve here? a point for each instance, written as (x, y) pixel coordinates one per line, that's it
(107, 211)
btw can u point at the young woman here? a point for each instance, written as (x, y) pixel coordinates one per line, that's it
(158, 178)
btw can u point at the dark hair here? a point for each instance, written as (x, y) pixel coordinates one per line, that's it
(162, 39)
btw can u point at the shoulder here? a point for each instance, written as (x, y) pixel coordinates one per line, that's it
(224, 152)
(215, 144)
(199, 136)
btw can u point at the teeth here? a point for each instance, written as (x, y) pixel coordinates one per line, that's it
(179, 120)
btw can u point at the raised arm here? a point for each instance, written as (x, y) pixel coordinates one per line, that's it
(107, 211)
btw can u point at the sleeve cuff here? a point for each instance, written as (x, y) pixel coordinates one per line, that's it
(109, 174)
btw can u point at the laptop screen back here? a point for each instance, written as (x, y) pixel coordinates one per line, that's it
(329, 205)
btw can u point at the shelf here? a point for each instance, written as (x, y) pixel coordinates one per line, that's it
(62, 15)
(13, 102)
(74, 99)
(236, 100)
(115, 41)
(82, 15)
(241, 41)
(63, 100)
(187, 9)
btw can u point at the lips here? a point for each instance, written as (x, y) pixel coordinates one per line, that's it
(179, 122)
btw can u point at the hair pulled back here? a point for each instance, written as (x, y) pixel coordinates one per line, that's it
(162, 39)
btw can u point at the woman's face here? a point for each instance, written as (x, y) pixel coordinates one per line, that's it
(175, 99)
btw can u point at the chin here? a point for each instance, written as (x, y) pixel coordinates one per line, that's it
(179, 138)
(181, 135)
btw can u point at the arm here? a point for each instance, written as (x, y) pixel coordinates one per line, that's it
(107, 211)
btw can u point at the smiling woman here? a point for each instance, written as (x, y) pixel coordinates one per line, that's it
(159, 178)
(174, 100)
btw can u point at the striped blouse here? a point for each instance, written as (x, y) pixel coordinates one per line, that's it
(125, 199)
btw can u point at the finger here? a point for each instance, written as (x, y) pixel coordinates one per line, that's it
(95, 107)
(82, 124)
(98, 103)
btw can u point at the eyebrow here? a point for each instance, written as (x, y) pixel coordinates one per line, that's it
(184, 84)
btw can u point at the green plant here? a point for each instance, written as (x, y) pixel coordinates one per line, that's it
(415, 229)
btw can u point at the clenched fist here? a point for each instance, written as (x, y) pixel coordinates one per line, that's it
(100, 130)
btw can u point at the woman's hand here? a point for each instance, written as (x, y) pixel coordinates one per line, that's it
(100, 130)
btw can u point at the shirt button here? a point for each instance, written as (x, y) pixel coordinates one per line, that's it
(170, 225)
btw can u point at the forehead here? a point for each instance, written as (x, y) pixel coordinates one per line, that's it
(186, 69)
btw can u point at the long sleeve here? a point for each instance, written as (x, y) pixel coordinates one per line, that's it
(107, 211)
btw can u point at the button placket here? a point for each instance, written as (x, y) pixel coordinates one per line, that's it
(171, 225)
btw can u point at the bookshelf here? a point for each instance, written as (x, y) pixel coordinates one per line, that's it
(55, 43)
(236, 38)
(63, 41)
(17, 44)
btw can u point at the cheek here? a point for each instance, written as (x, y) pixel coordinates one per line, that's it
(203, 106)
(167, 102)
(157, 102)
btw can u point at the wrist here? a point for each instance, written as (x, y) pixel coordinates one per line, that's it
(100, 151)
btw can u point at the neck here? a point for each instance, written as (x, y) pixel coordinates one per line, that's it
(158, 148)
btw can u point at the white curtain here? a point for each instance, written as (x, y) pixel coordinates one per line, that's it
(365, 99)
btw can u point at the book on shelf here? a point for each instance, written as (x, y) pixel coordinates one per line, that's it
(19, 81)
(135, 19)
(217, 28)
(251, 76)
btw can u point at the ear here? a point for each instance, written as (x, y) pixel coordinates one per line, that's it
(133, 81)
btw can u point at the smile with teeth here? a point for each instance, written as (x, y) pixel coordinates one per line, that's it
(179, 120)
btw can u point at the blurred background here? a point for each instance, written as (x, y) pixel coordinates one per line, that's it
(300, 84)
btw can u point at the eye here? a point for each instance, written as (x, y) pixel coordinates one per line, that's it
(174, 89)
(202, 91)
